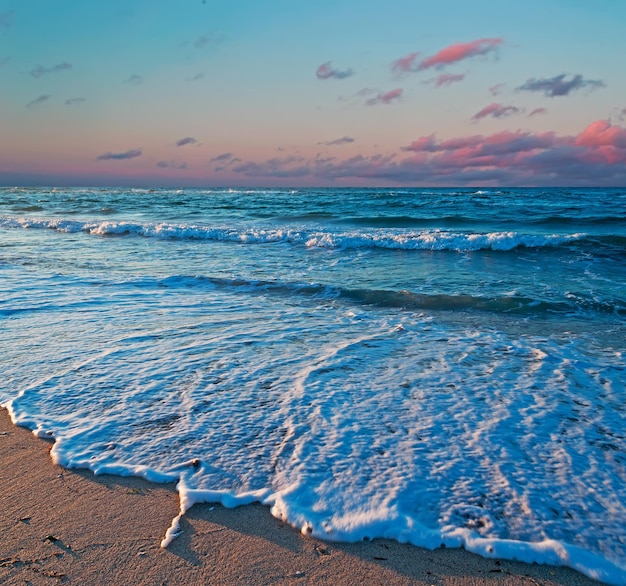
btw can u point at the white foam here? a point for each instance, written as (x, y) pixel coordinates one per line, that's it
(347, 429)
(400, 239)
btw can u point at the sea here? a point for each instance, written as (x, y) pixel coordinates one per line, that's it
(444, 367)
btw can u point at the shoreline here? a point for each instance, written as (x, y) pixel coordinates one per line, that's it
(72, 527)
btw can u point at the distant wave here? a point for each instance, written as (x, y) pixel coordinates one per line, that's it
(465, 221)
(407, 300)
(515, 304)
(434, 239)
(581, 219)
(408, 221)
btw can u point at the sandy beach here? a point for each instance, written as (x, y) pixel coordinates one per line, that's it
(71, 527)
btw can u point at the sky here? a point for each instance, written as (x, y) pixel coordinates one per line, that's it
(326, 93)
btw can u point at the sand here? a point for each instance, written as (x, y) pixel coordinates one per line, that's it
(60, 526)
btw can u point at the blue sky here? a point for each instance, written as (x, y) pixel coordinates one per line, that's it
(163, 92)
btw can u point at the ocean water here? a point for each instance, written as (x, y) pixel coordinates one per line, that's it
(439, 366)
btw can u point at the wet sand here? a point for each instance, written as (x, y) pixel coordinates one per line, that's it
(60, 526)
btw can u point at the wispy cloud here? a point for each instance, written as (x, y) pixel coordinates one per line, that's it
(222, 158)
(338, 141)
(496, 111)
(6, 19)
(210, 39)
(130, 154)
(280, 168)
(446, 79)
(204, 40)
(386, 98)
(171, 165)
(134, 79)
(406, 64)
(38, 101)
(224, 161)
(327, 71)
(496, 90)
(537, 112)
(40, 70)
(447, 56)
(74, 101)
(186, 140)
(559, 85)
(196, 77)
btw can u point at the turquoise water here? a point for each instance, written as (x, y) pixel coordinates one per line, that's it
(436, 366)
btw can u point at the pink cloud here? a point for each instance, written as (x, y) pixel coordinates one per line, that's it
(423, 144)
(602, 143)
(595, 156)
(496, 90)
(602, 133)
(405, 64)
(537, 111)
(447, 56)
(446, 79)
(459, 51)
(496, 111)
(385, 98)
(499, 143)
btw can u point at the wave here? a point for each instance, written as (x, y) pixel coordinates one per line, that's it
(577, 220)
(554, 222)
(405, 300)
(393, 239)
(408, 221)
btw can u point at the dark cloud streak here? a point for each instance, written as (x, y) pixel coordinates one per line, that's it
(130, 154)
(338, 141)
(74, 101)
(6, 19)
(185, 141)
(221, 158)
(134, 79)
(327, 71)
(171, 165)
(446, 79)
(38, 71)
(386, 98)
(496, 111)
(38, 101)
(559, 86)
